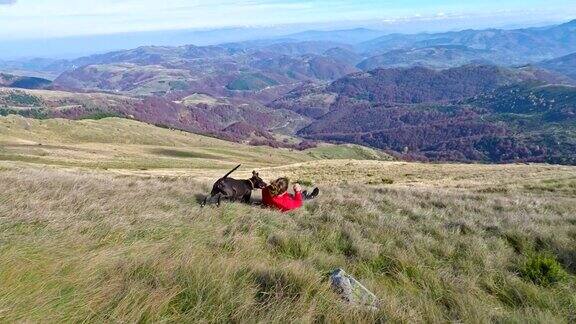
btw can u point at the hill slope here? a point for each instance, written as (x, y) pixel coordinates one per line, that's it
(436, 243)
(565, 65)
(115, 143)
(415, 85)
(14, 81)
(471, 113)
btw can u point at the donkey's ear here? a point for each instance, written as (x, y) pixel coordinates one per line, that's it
(254, 173)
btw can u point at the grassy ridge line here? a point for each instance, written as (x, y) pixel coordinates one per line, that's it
(114, 143)
(107, 130)
(55, 98)
(422, 174)
(120, 143)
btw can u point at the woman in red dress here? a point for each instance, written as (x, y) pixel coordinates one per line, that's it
(276, 195)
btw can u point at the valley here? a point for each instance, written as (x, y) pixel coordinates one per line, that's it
(425, 97)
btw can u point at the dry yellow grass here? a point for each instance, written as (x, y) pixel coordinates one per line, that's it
(436, 242)
(121, 144)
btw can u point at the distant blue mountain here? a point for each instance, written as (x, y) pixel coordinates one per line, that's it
(73, 47)
(523, 45)
(368, 47)
(348, 36)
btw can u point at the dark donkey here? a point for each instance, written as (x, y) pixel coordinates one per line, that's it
(232, 189)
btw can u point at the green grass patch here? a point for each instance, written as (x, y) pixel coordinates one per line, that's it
(101, 115)
(294, 247)
(348, 151)
(183, 154)
(542, 269)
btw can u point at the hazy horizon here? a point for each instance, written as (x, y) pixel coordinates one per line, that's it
(58, 29)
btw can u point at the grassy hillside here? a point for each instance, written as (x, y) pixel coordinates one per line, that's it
(115, 143)
(436, 242)
(347, 151)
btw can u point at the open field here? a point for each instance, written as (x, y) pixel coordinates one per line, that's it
(101, 223)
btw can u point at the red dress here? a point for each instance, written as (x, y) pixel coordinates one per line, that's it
(284, 202)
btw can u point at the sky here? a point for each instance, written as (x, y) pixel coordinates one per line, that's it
(32, 19)
(73, 28)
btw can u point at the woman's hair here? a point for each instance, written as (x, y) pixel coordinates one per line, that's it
(278, 186)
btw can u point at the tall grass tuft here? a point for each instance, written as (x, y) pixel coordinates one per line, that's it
(542, 269)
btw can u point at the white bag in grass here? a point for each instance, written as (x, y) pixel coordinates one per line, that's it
(352, 291)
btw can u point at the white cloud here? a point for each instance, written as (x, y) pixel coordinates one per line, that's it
(49, 18)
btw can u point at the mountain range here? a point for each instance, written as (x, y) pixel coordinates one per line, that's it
(474, 95)
(521, 45)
